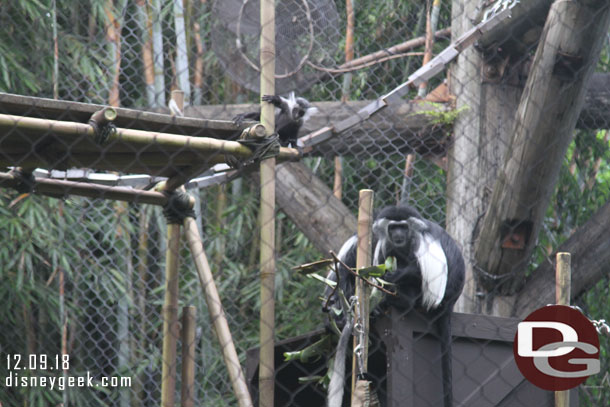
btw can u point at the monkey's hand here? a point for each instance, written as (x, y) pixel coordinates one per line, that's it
(240, 118)
(273, 99)
(403, 274)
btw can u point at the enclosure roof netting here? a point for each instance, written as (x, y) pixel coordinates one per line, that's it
(54, 134)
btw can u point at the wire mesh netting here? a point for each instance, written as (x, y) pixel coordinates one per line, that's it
(306, 37)
(487, 118)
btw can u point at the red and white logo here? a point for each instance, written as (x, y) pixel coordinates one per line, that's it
(556, 348)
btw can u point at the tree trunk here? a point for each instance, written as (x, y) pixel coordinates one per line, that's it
(310, 204)
(544, 126)
(480, 139)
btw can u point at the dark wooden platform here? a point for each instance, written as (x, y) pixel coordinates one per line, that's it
(54, 134)
(405, 360)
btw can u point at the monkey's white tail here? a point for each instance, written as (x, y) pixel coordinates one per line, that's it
(337, 378)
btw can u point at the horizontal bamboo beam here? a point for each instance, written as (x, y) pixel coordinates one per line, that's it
(59, 188)
(127, 118)
(138, 137)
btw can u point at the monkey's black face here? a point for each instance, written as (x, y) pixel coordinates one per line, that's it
(297, 113)
(398, 234)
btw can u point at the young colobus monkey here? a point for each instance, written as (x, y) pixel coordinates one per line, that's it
(290, 115)
(429, 276)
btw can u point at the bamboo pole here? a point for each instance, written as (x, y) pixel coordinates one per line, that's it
(220, 224)
(338, 181)
(55, 51)
(363, 259)
(187, 393)
(267, 265)
(170, 317)
(113, 38)
(182, 65)
(349, 45)
(157, 42)
(396, 49)
(64, 325)
(141, 284)
(199, 66)
(145, 26)
(216, 312)
(266, 371)
(59, 188)
(563, 285)
(407, 179)
(431, 24)
(104, 116)
(347, 81)
(563, 281)
(137, 137)
(151, 162)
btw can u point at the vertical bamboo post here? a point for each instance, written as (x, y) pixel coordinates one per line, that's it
(141, 281)
(405, 190)
(187, 393)
(338, 181)
(63, 311)
(170, 317)
(155, 17)
(349, 47)
(563, 282)
(181, 61)
(267, 212)
(347, 81)
(64, 326)
(55, 51)
(363, 259)
(145, 25)
(217, 315)
(430, 29)
(563, 285)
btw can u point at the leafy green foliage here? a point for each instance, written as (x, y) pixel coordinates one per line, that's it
(80, 59)
(32, 258)
(583, 187)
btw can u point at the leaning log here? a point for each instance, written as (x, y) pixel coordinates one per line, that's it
(310, 204)
(590, 249)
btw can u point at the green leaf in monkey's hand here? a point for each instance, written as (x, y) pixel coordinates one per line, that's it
(379, 270)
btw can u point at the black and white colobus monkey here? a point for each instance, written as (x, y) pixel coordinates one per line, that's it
(290, 115)
(429, 276)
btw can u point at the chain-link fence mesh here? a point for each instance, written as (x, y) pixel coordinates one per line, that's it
(505, 145)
